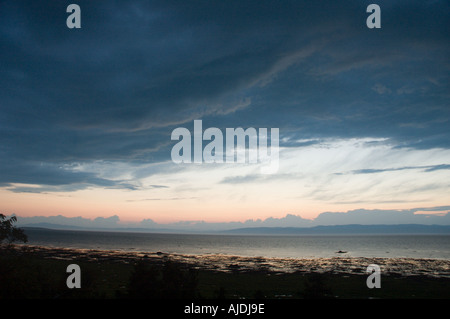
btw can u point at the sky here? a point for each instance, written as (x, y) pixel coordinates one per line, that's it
(86, 114)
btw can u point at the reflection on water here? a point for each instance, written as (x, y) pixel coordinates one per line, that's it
(345, 265)
(304, 246)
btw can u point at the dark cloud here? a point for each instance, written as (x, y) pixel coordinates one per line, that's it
(425, 168)
(55, 178)
(114, 89)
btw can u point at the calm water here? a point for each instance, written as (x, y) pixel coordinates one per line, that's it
(303, 246)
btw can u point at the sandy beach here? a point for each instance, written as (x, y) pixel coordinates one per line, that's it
(40, 272)
(229, 263)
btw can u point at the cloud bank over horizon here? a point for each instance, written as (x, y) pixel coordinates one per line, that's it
(423, 216)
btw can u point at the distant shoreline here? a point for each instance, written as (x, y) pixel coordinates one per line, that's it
(347, 229)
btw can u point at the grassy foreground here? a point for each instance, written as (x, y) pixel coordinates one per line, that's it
(32, 276)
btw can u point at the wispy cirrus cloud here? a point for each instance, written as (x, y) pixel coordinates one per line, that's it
(426, 168)
(94, 108)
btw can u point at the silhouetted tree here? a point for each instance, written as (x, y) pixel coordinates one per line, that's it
(9, 232)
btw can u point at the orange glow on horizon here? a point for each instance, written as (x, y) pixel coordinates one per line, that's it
(91, 204)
